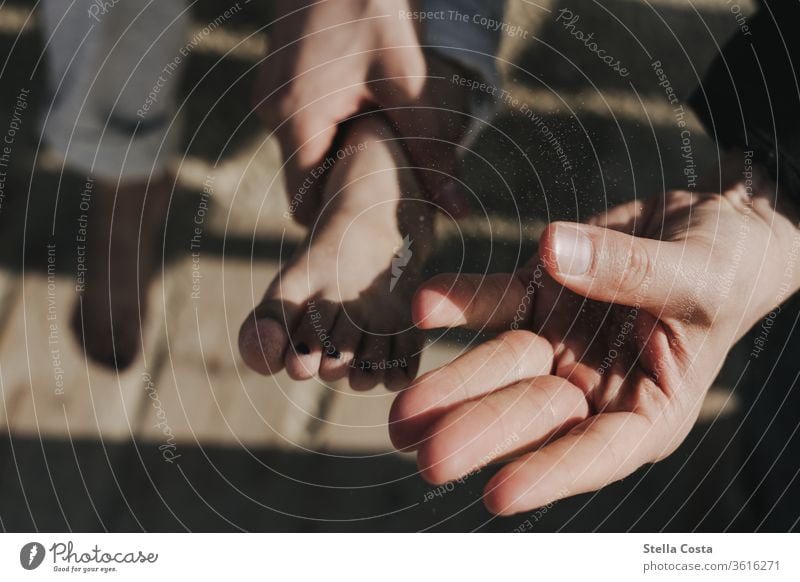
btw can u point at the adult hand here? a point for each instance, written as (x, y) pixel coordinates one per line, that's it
(623, 325)
(330, 60)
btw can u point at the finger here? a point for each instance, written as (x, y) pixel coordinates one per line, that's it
(433, 156)
(441, 182)
(302, 155)
(491, 302)
(613, 267)
(518, 418)
(502, 361)
(599, 451)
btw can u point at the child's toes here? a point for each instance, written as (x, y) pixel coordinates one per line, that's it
(264, 335)
(406, 348)
(310, 339)
(370, 363)
(336, 364)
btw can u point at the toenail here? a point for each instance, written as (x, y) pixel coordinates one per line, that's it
(303, 349)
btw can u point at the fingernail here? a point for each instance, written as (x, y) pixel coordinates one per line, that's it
(336, 354)
(573, 251)
(303, 349)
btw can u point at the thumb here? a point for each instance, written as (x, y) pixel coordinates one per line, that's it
(662, 277)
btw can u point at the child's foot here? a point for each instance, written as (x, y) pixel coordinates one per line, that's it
(341, 306)
(123, 234)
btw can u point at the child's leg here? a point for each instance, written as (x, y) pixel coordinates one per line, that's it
(341, 306)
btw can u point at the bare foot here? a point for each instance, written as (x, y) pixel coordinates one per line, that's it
(341, 306)
(123, 236)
